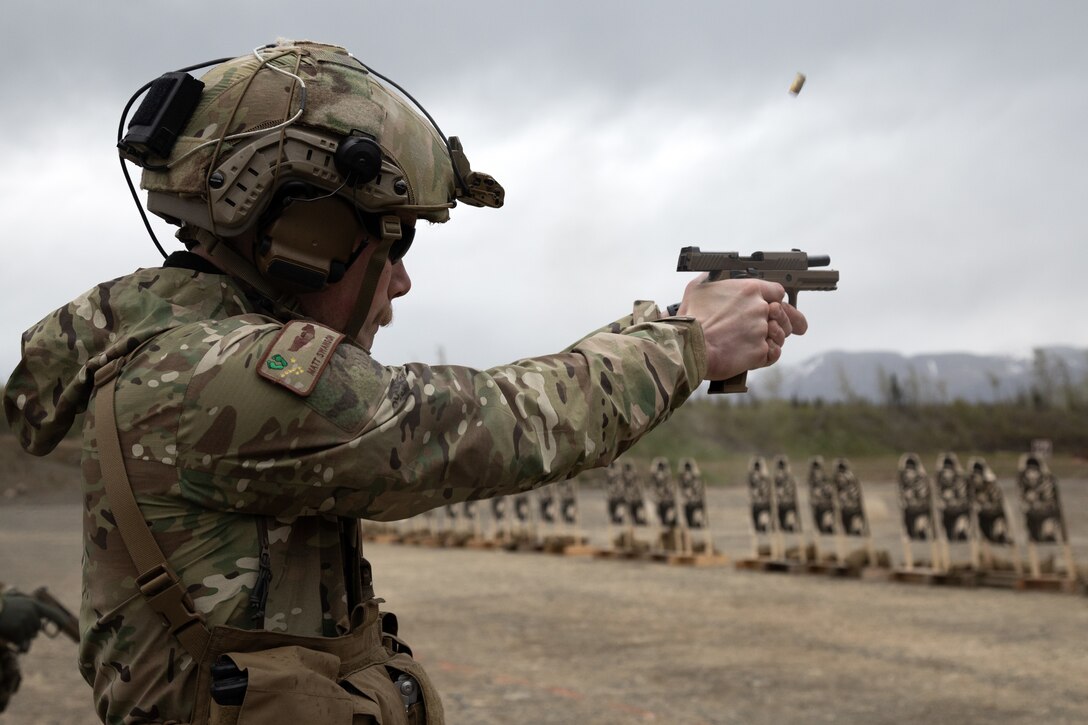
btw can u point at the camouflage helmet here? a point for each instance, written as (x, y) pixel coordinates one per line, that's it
(281, 113)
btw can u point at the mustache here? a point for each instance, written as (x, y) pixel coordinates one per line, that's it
(386, 317)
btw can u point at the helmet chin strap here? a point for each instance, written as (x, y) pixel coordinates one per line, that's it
(233, 264)
(374, 268)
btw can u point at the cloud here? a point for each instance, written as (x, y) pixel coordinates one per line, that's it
(934, 154)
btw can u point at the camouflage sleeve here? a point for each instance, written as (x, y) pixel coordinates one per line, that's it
(386, 443)
(642, 311)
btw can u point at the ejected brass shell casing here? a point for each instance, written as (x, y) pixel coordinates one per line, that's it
(798, 82)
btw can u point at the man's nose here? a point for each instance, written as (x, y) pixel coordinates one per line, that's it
(400, 282)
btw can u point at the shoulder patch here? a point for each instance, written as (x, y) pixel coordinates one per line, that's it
(298, 355)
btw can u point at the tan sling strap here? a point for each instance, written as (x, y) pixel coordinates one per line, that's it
(157, 581)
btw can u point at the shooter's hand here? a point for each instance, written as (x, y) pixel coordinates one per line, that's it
(745, 323)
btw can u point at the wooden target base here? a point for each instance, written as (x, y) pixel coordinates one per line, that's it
(955, 578)
(919, 576)
(834, 569)
(998, 579)
(697, 559)
(778, 566)
(480, 543)
(1048, 584)
(567, 545)
(622, 554)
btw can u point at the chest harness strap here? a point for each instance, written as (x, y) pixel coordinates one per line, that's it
(156, 579)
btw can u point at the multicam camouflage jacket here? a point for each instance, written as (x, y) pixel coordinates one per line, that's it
(243, 434)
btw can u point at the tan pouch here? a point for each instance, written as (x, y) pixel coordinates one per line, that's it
(289, 684)
(296, 684)
(377, 682)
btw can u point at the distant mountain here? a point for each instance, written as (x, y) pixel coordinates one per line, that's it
(942, 377)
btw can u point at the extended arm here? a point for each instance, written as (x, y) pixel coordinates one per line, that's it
(389, 442)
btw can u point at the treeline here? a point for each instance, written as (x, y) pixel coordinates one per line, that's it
(723, 431)
(711, 428)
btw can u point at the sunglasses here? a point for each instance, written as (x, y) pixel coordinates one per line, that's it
(402, 245)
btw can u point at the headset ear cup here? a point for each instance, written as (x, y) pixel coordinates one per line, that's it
(358, 159)
(282, 200)
(305, 238)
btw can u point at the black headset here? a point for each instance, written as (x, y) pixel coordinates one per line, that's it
(296, 205)
(358, 159)
(283, 230)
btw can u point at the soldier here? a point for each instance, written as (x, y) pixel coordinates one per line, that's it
(21, 618)
(19, 623)
(239, 427)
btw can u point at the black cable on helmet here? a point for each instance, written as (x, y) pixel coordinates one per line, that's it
(423, 110)
(121, 134)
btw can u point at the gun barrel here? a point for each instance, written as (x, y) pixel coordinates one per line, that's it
(819, 260)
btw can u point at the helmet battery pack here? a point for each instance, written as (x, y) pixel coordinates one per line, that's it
(169, 104)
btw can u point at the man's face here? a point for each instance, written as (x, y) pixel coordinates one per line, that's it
(334, 305)
(393, 283)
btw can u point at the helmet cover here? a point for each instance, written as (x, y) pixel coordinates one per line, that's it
(223, 171)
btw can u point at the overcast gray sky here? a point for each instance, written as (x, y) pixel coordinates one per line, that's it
(937, 153)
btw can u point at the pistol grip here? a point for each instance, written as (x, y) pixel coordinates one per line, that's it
(735, 384)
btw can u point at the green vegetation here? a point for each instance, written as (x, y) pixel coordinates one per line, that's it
(722, 434)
